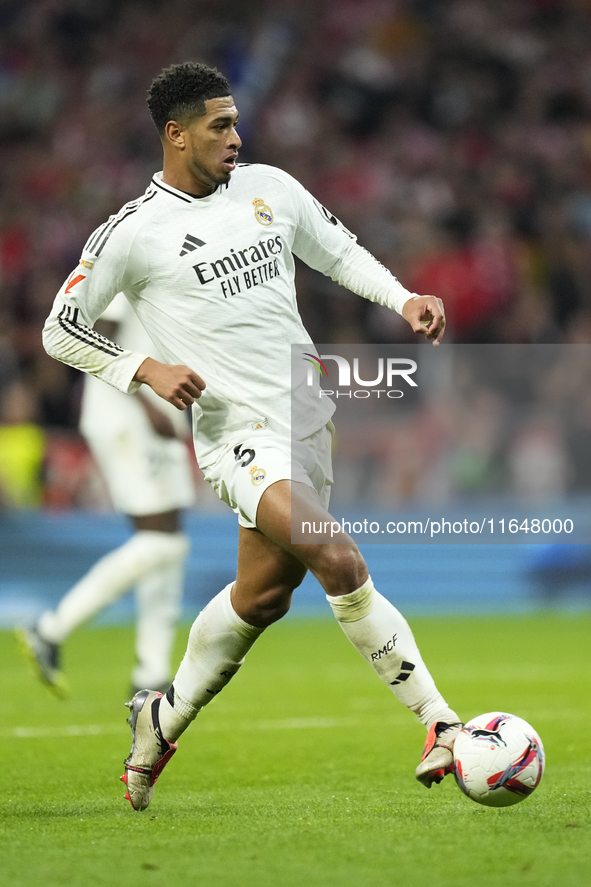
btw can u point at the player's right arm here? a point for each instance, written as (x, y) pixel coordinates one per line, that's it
(117, 264)
(178, 385)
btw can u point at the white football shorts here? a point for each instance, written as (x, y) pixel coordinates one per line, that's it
(243, 471)
(145, 472)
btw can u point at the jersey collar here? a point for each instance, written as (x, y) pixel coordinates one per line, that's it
(181, 195)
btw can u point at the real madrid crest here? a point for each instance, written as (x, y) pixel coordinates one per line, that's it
(257, 475)
(262, 212)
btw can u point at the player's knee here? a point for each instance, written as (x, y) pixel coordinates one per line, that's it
(340, 568)
(271, 605)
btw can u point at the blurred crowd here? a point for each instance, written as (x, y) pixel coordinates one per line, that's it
(452, 136)
(487, 420)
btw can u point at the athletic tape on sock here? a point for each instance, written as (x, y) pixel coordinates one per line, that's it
(354, 606)
(181, 706)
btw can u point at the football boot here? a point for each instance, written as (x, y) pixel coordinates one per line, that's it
(44, 656)
(438, 754)
(150, 751)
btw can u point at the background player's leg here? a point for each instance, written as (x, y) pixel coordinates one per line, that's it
(158, 600)
(149, 549)
(221, 637)
(111, 577)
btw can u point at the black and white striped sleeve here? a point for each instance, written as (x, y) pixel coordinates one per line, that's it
(111, 262)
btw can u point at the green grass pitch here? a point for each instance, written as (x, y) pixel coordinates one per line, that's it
(300, 774)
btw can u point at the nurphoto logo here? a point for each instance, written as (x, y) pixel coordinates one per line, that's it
(387, 372)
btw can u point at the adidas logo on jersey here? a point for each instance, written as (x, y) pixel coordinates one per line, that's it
(191, 243)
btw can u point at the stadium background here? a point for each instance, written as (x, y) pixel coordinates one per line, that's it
(454, 138)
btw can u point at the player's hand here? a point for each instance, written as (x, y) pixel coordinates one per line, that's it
(179, 385)
(426, 316)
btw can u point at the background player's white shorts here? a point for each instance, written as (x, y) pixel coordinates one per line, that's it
(145, 472)
(243, 472)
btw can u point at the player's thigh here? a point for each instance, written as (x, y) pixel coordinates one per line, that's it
(242, 474)
(338, 565)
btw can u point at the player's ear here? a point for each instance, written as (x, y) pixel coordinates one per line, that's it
(175, 134)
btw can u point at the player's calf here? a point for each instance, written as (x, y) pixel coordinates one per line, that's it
(383, 637)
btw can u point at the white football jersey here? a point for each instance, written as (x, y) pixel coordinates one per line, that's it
(212, 281)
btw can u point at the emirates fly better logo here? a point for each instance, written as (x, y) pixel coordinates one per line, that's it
(387, 371)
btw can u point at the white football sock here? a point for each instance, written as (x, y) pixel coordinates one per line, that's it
(218, 642)
(158, 599)
(383, 637)
(110, 578)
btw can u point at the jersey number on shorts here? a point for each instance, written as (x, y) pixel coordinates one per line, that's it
(245, 457)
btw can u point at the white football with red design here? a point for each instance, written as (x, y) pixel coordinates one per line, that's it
(499, 759)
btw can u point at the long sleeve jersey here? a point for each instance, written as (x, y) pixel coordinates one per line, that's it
(102, 403)
(212, 281)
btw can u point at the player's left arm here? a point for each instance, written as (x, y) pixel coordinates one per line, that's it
(325, 244)
(426, 315)
(363, 274)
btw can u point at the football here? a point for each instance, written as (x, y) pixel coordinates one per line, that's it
(498, 759)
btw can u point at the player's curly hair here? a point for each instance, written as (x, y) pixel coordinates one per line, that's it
(179, 92)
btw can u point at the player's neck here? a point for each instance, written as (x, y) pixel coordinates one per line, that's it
(183, 179)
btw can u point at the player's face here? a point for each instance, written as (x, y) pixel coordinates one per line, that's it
(214, 143)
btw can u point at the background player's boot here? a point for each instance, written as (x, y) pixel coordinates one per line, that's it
(150, 751)
(44, 656)
(438, 756)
